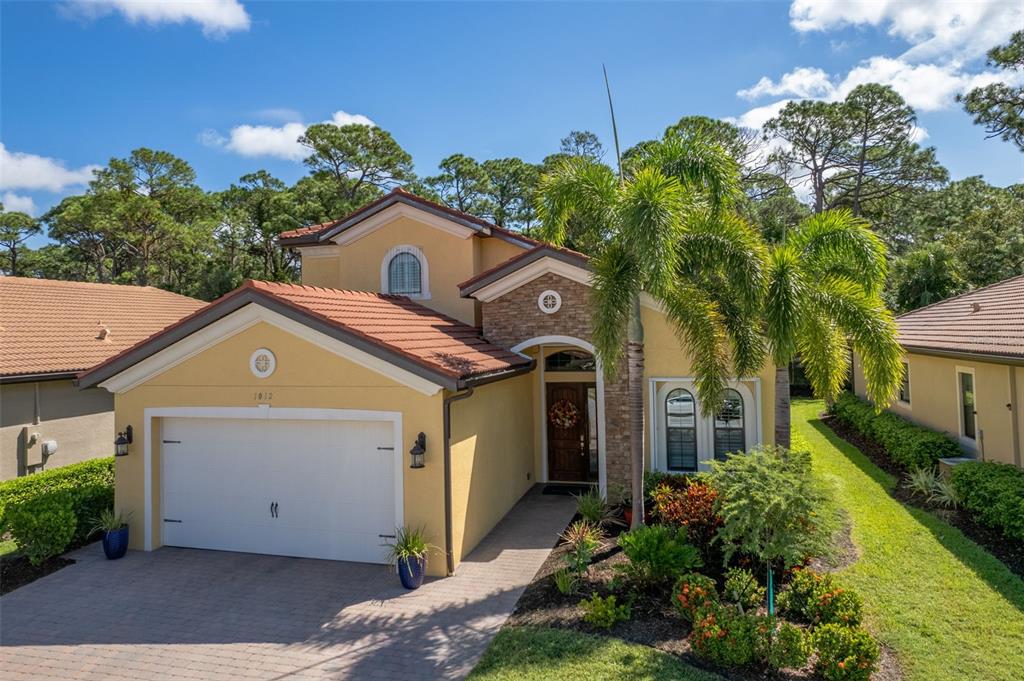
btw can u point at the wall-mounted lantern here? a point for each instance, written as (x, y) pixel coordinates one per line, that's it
(123, 440)
(419, 449)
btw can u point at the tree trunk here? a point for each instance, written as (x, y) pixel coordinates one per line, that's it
(635, 387)
(782, 406)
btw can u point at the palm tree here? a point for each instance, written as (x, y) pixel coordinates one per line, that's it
(824, 295)
(664, 228)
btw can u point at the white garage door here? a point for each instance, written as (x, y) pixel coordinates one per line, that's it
(316, 489)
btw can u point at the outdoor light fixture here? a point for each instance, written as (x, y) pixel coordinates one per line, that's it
(123, 440)
(419, 448)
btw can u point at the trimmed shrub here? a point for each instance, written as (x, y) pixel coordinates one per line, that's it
(724, 636)
(782, 646)
(604, 613)
(46, 511)
(994, 492)
(844, 653)
(657, 554)
(693, 592)
(909, 446)
(819, 599)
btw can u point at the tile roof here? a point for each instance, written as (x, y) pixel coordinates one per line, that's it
(395, 326)
(49, 326)
(313, 233)
(987, 321)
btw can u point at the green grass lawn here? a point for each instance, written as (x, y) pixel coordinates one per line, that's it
(7, 547)
(536, 654)
(948, 608)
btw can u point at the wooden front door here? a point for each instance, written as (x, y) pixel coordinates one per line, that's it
(568, 432)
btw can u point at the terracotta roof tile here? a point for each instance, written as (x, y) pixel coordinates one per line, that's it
(395, 324)
(49, 326)
(398, 323)
(988, 321)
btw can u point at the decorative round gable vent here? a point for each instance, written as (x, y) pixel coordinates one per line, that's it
(262, 363)
(549, 302)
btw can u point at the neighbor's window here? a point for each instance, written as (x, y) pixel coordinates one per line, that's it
(404, 276)
(570, 360)
(680, 431)
(730, 435)
(905, 385)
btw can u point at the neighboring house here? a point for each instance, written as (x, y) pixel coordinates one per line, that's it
(965, 369)
(50, 331)
(282, 418)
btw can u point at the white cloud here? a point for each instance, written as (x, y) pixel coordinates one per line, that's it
(758, 116)
(216, 17)
(275, 141)
(19, 170)
(16, 202)
(802, 82)
(933, 29)
(919, 134)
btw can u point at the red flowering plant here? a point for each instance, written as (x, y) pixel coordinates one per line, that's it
(693, 592)
(691, 506)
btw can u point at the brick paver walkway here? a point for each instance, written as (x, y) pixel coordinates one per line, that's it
(190, 614)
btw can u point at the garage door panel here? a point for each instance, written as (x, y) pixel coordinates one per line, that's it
(332, 483)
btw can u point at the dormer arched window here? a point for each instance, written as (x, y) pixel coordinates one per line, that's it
(404, 272)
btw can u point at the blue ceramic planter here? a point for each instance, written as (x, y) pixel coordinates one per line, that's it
(115, 543)
(411, 572)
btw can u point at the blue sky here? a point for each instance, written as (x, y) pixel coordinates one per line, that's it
(223, 83)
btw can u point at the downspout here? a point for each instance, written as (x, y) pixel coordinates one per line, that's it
(1014, 414)
(449, 555)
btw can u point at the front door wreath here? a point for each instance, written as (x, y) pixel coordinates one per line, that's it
(564, 414)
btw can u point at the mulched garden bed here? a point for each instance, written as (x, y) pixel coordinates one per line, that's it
(16, 570)
(653, 621)
(1008, 550)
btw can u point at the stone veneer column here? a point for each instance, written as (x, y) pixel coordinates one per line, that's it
(516, 317)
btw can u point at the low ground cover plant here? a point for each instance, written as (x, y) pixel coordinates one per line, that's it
(994, 492)
(47, 511)
(910, 446)
(604, 613)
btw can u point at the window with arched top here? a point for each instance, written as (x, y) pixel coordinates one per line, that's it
(680, 431)
(570, 360)
(405, 275)
(730, 431)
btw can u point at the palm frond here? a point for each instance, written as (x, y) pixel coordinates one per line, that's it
(726, 243)
(650, 215)
(616, 282)
(825, 355)
(578, 187)
(871, 328)
(700, 327)
(784, 302)
(835, 242)
(700, 164)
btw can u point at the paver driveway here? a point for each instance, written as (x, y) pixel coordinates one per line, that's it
(190, 614)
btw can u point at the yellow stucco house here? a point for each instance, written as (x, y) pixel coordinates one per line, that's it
(964, 370)
(283, 418)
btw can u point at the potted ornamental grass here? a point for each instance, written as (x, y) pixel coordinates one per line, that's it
(408, 553)
(114, 527)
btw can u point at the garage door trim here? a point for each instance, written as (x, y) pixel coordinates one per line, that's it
(265, 412)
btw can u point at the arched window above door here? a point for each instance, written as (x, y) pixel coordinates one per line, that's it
(570, 360)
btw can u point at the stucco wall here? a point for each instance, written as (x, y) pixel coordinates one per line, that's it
(81, 421)
(934, 401)
(492, 457)
(306, 376)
